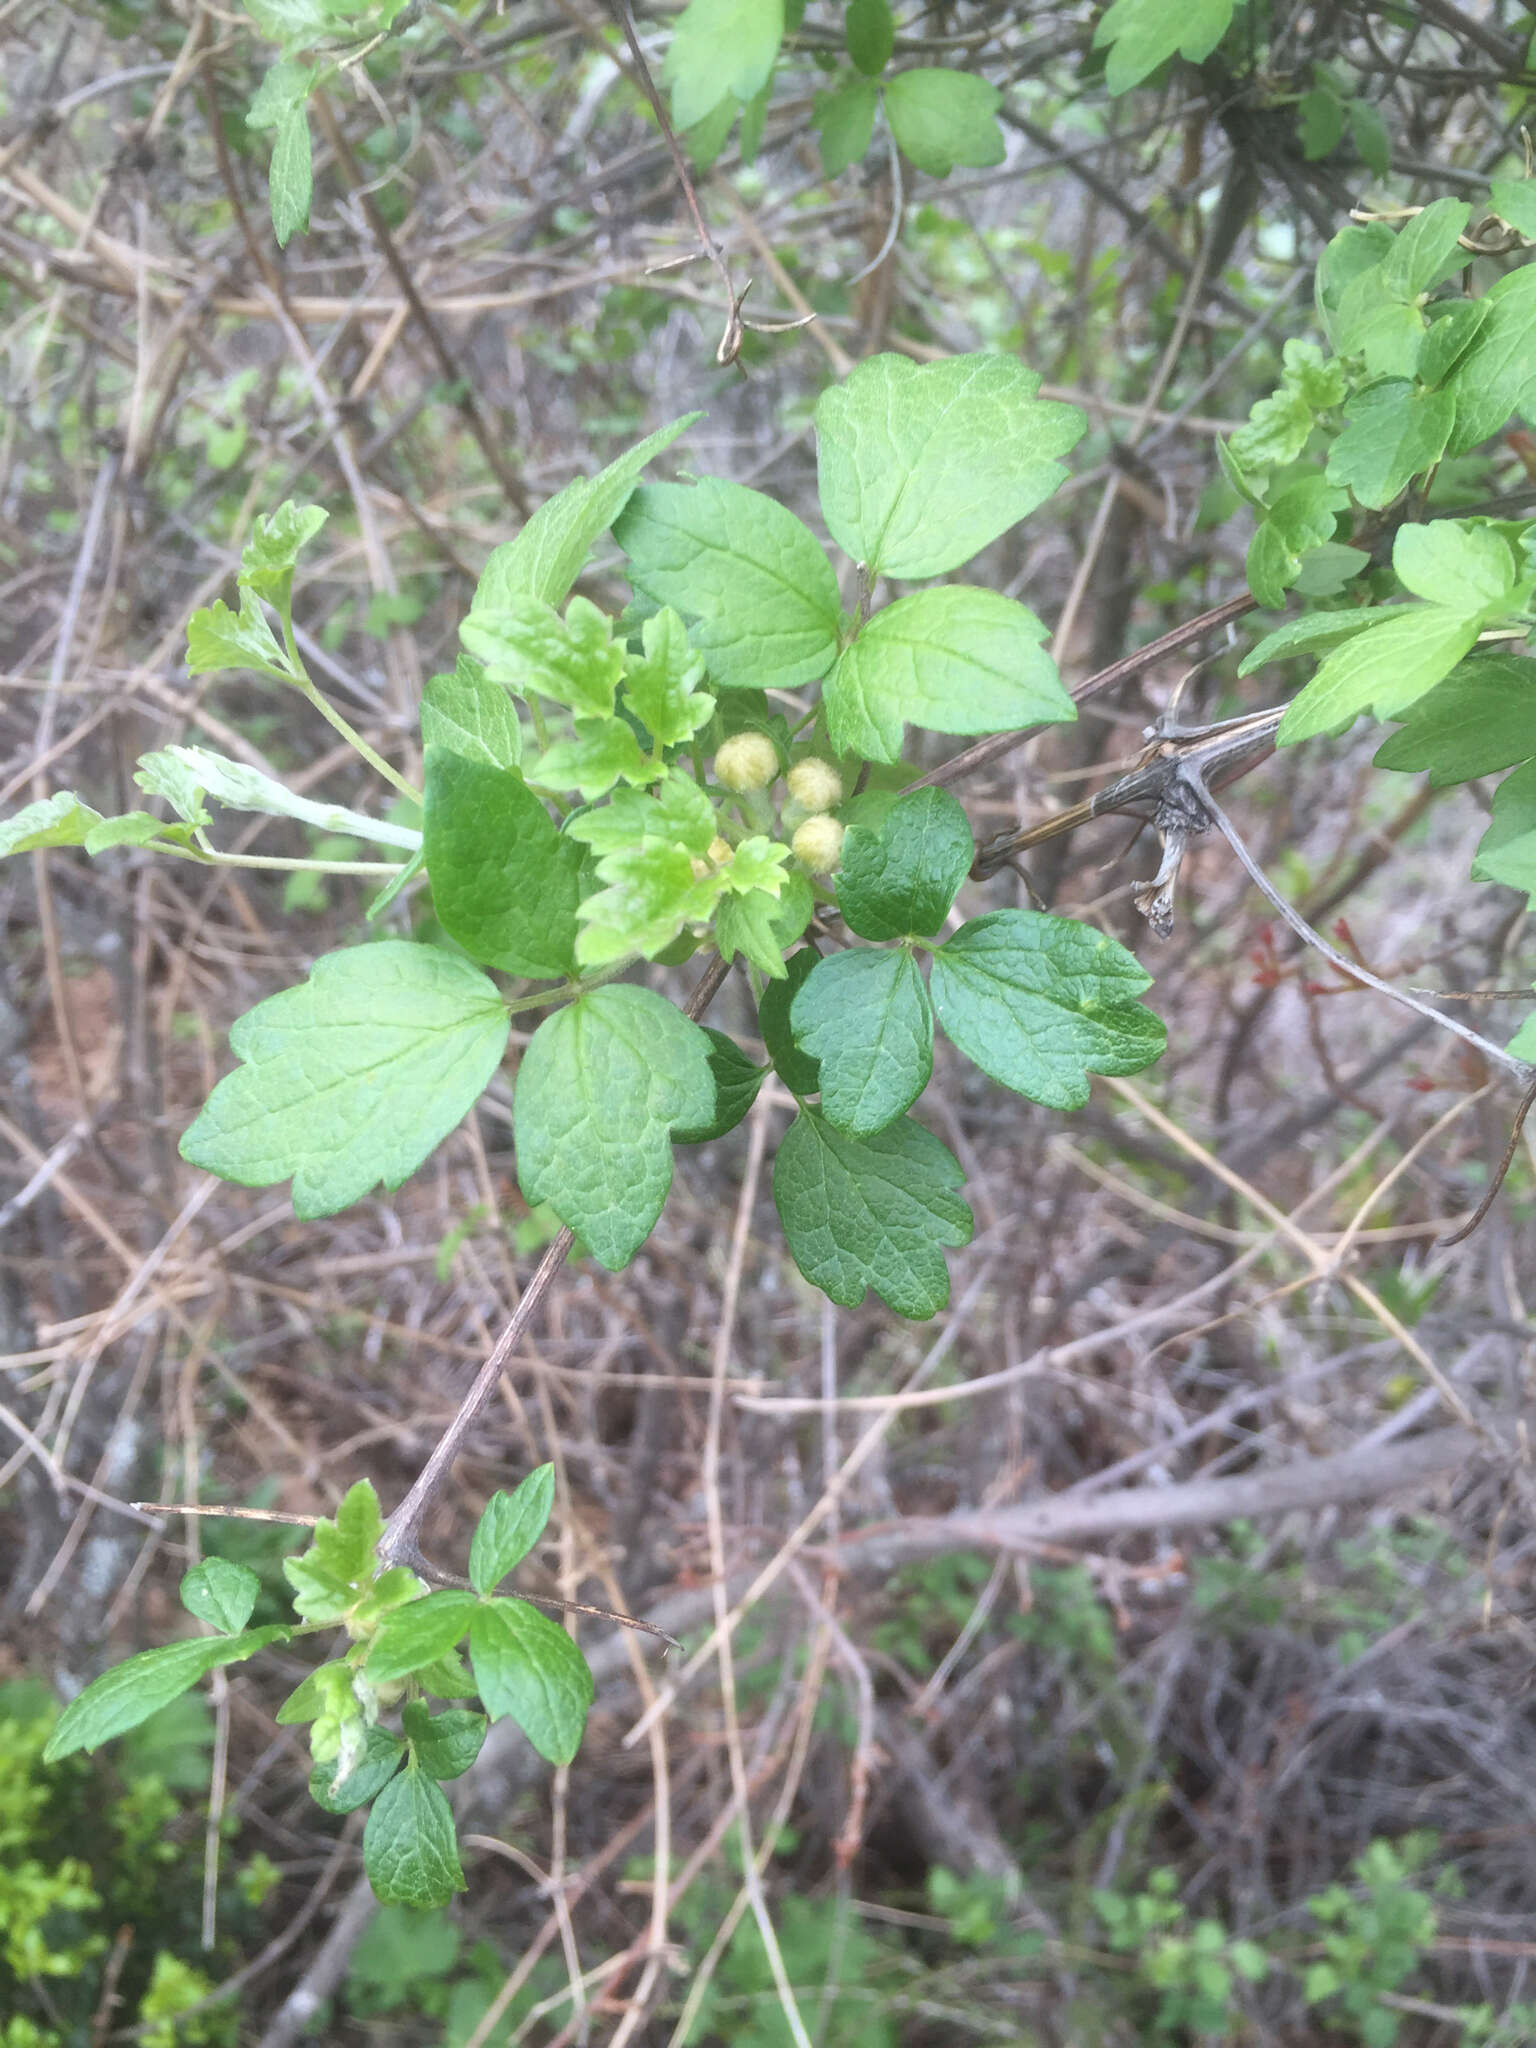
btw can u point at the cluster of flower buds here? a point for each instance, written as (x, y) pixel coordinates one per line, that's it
(748, 763)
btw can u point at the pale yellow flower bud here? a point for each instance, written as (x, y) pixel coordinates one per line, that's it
(719, 850)
(815, 784)
(747, 761)
(819, 844)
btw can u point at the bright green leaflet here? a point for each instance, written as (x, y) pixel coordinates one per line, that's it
(1040, 1003)
(504, 878)
(176, 772)
(1507, 852)
(472, 716)
(720, 47)
(1394, 433)
(1480, 719)
(528, 1668)
(600, 1086)
(652, 893)
(219, 639)
(130, 1692)
(410, 1851)
(549, 554)
(509, 1526)
(920, 467)
(1382, 670)
(353, 1077)
(899, 878)
(871, 1212)
(864, 1016)
(221, 1593)
(759, 595)
(661, 683)
(417, 1634)
(954, 659)
(941, 118)
(58, 820)
(1145, 33)
(604, 751)
(1300, 519)
(270, 556)
(527, 645)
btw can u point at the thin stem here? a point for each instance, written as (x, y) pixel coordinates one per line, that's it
(401, 1541)
(205, 856)
(1352, 969)
(355, 740)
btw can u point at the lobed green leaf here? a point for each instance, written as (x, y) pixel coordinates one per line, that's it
(530, 1670)
(864, 1017)
(509, 1526)
(410, 1850)
(505, 880)
(353, 1077)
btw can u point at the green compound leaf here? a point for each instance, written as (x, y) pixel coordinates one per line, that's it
(720, 47)
(899, 878)
(269, 557)
(292, 178)
(410, 1850)
(525, 644)
(548, 555)
(470, 715)
(509, 1526)
(528, 1668)
(219, 639)
(653, 891)
(1145, 33)
(736, 1080)
(221, 1593)
(759, 595)
(1300, 519)
(845, 123)
(604, 751)
(1278, 426)
(1507, 851)
(504, 878)
(796, 1069)
(679, 813)
(920, 467)
(661, 687)
(864, 1016)
(942, 118)
(417, 1634)
(869, 30)
(1040, 1003)
(1480, 719)
(354, 1077)
(337, 1790)
(871, 1212)
(1393, 434)
(445, 1745)
(130, 1692)
(599, 1089)
(60, 820)
(760, 927)
(184, 774)
(954, 659)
